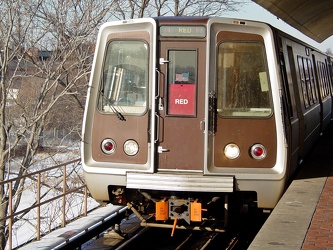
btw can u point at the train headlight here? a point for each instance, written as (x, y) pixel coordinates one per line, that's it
(108, 146)
(131, 147)
(258, 151)
(231, 151)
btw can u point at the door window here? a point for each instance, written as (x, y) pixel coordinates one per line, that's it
(182, 82)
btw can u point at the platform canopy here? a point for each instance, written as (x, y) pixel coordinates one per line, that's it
(314, 18)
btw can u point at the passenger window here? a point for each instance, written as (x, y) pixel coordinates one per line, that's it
(125, 78)
(312, 81)
(303, 82)
(242, 80)
(307, 81)
(323, 79)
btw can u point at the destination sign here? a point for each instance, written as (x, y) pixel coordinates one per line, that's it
(183, 31)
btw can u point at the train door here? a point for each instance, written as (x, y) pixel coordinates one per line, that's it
(180, 126)
(288, 73)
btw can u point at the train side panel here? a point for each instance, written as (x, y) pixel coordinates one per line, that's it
(303, 102)
(307, 95)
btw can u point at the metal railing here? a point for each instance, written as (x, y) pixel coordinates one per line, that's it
(39, 179)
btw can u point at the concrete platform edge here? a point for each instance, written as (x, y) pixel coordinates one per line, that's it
(287, 226)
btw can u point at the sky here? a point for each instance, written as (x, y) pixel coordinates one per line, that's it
(252, 11)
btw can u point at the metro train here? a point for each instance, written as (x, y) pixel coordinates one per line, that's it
(183, 113)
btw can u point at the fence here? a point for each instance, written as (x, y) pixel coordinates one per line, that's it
(50, 184)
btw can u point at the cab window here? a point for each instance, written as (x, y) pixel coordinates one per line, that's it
(242, 82)
(125, 78)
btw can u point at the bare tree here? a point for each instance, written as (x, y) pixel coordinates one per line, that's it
(46, 51)
(46, 48)
(141, 8)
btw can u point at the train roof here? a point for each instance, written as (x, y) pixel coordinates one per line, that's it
(183, 19)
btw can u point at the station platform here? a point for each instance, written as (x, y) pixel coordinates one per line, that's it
(303, 218)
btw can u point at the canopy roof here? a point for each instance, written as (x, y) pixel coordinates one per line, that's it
(314, 18)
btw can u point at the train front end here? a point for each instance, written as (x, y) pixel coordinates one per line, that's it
(182, 113)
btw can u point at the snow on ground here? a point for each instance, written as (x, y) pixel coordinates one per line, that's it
(24, 229)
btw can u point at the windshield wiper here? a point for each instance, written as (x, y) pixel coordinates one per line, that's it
(112, 107)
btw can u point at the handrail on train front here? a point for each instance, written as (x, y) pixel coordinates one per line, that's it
(10, 217)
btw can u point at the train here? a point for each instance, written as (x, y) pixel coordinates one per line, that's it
(185, 114)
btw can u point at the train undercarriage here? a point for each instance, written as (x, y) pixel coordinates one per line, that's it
(184, 210)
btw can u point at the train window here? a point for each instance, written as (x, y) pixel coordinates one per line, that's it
(125, 77)
(307, 81)
(243, 83)
(326, 79)
(182, 80)
(303, 83)
(323, 79)
(312, 81)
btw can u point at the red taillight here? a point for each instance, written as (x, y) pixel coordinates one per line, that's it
(258, 151)
(108, 146)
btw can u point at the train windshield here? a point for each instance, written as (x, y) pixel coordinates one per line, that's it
(243, 85)
(125, 77)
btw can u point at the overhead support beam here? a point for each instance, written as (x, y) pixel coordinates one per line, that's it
(312, 17)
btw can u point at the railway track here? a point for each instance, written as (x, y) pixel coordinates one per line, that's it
(129, 235)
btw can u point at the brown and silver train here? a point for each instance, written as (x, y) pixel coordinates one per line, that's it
(182, 112)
